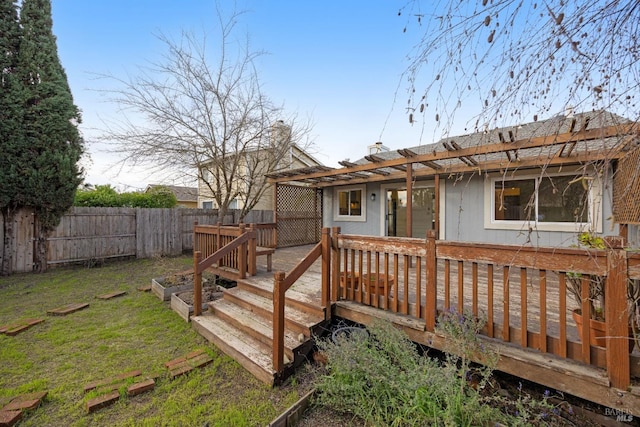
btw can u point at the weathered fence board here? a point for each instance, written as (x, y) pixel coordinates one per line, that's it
(92, 234)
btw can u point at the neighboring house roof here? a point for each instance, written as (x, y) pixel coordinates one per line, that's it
(183, 194)
(559, 140)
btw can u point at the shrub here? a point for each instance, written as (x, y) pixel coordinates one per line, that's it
(382, 379)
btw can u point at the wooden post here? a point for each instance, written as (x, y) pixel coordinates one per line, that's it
(326, 272)
(616, 315)
(436, 208)
(253, 267)
(218, 237)
(242, 254)
(278, 322)
(195, 243)
(409, 224)
(275, 215)
(335, 264)
(197, 284)
(430, 286)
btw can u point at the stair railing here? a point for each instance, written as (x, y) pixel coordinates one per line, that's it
(246, 239)
(283, 281)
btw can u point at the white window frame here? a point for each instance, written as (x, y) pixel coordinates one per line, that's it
(594, 221)
(336, 204)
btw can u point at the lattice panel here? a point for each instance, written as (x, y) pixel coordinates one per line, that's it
(299, 215)
(626, 189)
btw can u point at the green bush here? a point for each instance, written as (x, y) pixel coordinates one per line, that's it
(107, 196)
(382, 379)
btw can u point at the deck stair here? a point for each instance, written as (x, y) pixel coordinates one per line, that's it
(240, 324)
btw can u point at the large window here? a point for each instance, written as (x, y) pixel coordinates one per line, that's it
(562, 199)
(350, 204)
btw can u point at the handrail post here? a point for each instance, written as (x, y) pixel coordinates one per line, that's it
(253, 268)
(335, 263)
(242, 254)
(326, 272)
(616, 315)
(195, 240)
(278, 322)
(197, 284)
(431, 289)
(218, 236)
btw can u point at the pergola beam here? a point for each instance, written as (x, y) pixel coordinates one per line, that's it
(477, 150)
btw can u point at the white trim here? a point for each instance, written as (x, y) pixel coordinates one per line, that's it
(350, 218)
(595, 207)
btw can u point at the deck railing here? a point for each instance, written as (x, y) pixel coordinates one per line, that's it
(207, 239)
(521, 291)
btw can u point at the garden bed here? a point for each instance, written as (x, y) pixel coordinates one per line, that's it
(182, 302)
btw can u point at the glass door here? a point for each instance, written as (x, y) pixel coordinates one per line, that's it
(423, 207)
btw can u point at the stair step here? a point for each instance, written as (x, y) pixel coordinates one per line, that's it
(258, 327)
(296, 320)
(303, 295)
(253, 355)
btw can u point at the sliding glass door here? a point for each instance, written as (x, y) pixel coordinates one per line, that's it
(423, 207)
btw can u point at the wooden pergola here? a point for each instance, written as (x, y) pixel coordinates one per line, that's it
(500, 151)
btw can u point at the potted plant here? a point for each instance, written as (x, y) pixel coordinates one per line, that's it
(597, 297)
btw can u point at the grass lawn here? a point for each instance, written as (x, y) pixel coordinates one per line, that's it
(132, 332)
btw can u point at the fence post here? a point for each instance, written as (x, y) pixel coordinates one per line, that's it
(326, 272)
(431, 289)
(616, 315)
(197, 284)
(335, 264)
(278, 322)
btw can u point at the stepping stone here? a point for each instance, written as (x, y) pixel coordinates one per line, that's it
(182, 365)
(117, 380)
(68, 309)
(141, 387)
(17, 327)
(102, 401)
(9, 418)
(112, 295)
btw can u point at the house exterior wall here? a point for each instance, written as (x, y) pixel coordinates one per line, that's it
(465, 219)
(370, 227)
(462, 215)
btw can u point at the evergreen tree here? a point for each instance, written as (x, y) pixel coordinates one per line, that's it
(48, 166)
(11, 135)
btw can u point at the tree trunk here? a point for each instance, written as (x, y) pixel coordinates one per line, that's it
(39, 247)
(8, 244)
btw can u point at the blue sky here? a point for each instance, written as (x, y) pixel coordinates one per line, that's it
(337, 62)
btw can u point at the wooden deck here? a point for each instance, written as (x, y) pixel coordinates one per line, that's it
(534, 346)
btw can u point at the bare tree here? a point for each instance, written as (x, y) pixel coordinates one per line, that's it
(204, 119)
(513, 60)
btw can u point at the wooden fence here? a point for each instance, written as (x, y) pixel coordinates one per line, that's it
(88, 235)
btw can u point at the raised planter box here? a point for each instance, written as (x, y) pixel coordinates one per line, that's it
(164, 292)
(181, 302)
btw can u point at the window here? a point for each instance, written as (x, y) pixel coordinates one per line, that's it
(207, 205)
(350, 204)
(558, 202)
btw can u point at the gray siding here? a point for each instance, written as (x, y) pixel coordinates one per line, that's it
(369, 228)
(464, 219)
